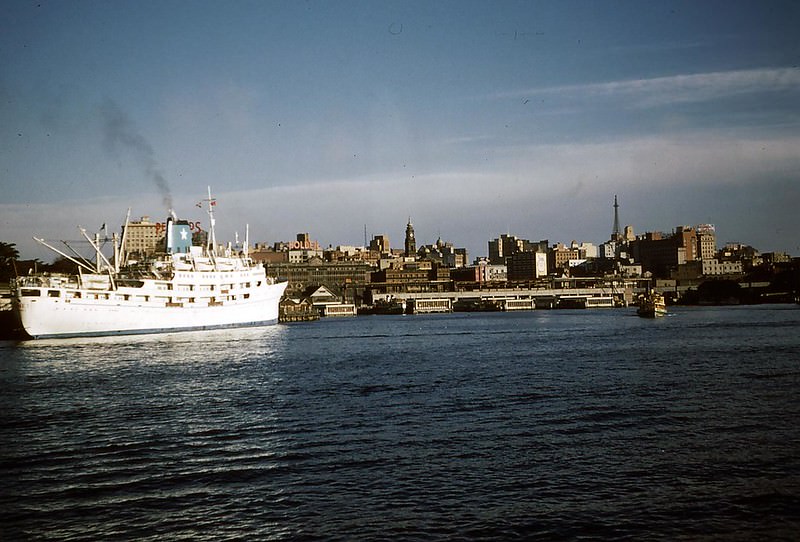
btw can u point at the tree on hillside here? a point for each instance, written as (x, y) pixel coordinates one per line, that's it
(62, 265)
(8, 254)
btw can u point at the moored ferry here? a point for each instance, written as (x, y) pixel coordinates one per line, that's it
(184, 288)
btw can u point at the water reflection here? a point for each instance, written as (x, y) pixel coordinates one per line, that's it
(190, 347)
(459, 426)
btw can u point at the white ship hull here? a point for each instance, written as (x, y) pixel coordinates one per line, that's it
(71, 306)
(49, 317)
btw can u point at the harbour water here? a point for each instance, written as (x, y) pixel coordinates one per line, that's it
(545, 425)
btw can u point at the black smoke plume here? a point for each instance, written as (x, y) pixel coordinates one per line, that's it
(121, 137)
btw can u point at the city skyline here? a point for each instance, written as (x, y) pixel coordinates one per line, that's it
(398, 245)
(473, 118)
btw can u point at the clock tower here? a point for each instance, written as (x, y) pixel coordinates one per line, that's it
(411, 242)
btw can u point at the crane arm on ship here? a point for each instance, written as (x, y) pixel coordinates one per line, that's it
(100, 256)
(70, 258)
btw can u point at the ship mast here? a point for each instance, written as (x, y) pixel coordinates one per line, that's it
(100, 256)
(122, 252)
(212, 239)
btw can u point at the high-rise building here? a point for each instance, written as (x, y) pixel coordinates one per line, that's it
(628, 234)
(143, 238)
(444, 253)
(507, 245)
(559, 256)
(525, 266)
(686, 238)
(379, 243)
(706, 241)
(659, 253)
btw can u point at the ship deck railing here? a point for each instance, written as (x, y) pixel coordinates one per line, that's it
(45, 281)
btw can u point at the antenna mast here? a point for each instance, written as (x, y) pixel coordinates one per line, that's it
(616, 234)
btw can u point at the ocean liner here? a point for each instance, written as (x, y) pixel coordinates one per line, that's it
(183, 288)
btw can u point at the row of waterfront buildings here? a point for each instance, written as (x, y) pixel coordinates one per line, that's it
(683, 257)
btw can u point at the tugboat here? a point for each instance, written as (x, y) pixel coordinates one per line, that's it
(651, 305)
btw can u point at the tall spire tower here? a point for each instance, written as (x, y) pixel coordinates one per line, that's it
(411, 242)
(617, 233)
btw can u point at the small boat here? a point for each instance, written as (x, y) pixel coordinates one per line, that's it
(384, 306)
(651, 305)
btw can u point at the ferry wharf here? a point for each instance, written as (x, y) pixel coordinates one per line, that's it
(514, 299)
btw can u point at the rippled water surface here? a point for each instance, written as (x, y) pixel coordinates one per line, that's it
(536, 425)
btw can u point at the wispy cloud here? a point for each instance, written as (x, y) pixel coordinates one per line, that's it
(683, 88)
(555, 191)
(467, 139)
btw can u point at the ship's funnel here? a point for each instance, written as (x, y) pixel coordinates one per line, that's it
(179, 236)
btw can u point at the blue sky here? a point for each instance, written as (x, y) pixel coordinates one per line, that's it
(472, 118)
